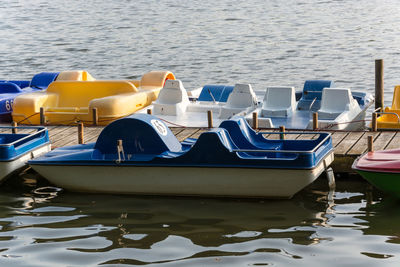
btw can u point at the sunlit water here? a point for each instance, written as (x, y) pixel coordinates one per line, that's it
(273, 42)
(260, 42)
(43, 226)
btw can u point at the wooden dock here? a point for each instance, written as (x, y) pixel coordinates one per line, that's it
(347, 145)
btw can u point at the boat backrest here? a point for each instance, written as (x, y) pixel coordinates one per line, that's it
(75, 75)
(312, 94)
(155, 79)
(242, 96)
(279, 98)
(396, 98)
(245, 137)
(80, 93)
(173, 92)
(43, 79)
(21, 84)
(140, 134)
(219, 93)
(9, 87)
(336, 100)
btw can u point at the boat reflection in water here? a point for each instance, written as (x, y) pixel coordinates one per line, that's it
(44, 225)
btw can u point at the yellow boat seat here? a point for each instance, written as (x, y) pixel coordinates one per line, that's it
(68, 101)
(390, 119)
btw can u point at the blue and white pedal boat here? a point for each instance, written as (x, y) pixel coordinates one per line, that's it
(10, 89)
(140, 155)
(17, 148)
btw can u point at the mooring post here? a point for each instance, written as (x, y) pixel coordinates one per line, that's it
(255, 120)
(374, 124)
(370, 143)
(282, 134)
(149, 111)
(14, 125)
(379, 84)
(209, 118)
(315, 120)
(80, 133)
(95, 117)
(42, 119)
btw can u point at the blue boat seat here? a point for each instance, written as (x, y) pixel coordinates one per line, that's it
(21, 84)
(219, 93)
(246, 138)
(312, 94)
(9, 87)
(43, 79)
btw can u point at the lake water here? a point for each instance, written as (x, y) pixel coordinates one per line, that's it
(264, 43)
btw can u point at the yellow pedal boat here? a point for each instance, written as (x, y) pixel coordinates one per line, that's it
(390, 117)
(73, 97)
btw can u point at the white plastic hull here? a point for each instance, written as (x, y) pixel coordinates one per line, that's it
(8, 167)
(233, 182)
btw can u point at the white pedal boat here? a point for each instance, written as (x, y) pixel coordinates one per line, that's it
(337, 108)
(175, 108)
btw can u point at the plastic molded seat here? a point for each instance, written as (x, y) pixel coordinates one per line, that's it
(241, 98)
(43, 79)
(312, 94)
(75, 75)
(335, 101)
(172, 99)
(279, 102)
(217, 93)
(9, 87)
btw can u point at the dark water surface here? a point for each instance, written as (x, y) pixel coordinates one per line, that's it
(44, 226)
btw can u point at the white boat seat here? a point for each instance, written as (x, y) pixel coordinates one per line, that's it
(335, 101)
(241, 98)
(279, 102)
(172, 100)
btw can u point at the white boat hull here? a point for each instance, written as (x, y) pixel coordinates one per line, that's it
(8, 167)
(232, 182)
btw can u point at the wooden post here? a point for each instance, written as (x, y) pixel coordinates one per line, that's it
(370, 143)
(14, 124)
(379, 84)
(210, 118)
(282, 134)
(255, 120)
(95, 117)
(80, 133)
(149, 111)
(374, 125)
(315, 120)
(42, 118)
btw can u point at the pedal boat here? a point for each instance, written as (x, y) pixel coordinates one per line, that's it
(74, 98)
(176, 108)
(140, 155)
(337, 108)
(17, 148)
(381, 169)
(10, 89)
(389, 118)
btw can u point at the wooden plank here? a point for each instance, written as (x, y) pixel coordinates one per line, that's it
(176, 130)
(198, 133)
(66, 138)
(362, 144)
(348, 142)
(337, 137)
(383, 140)
(395, 142)
(91, 134)
(187, 132)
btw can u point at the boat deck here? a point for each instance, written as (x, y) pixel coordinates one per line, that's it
(347, 145)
